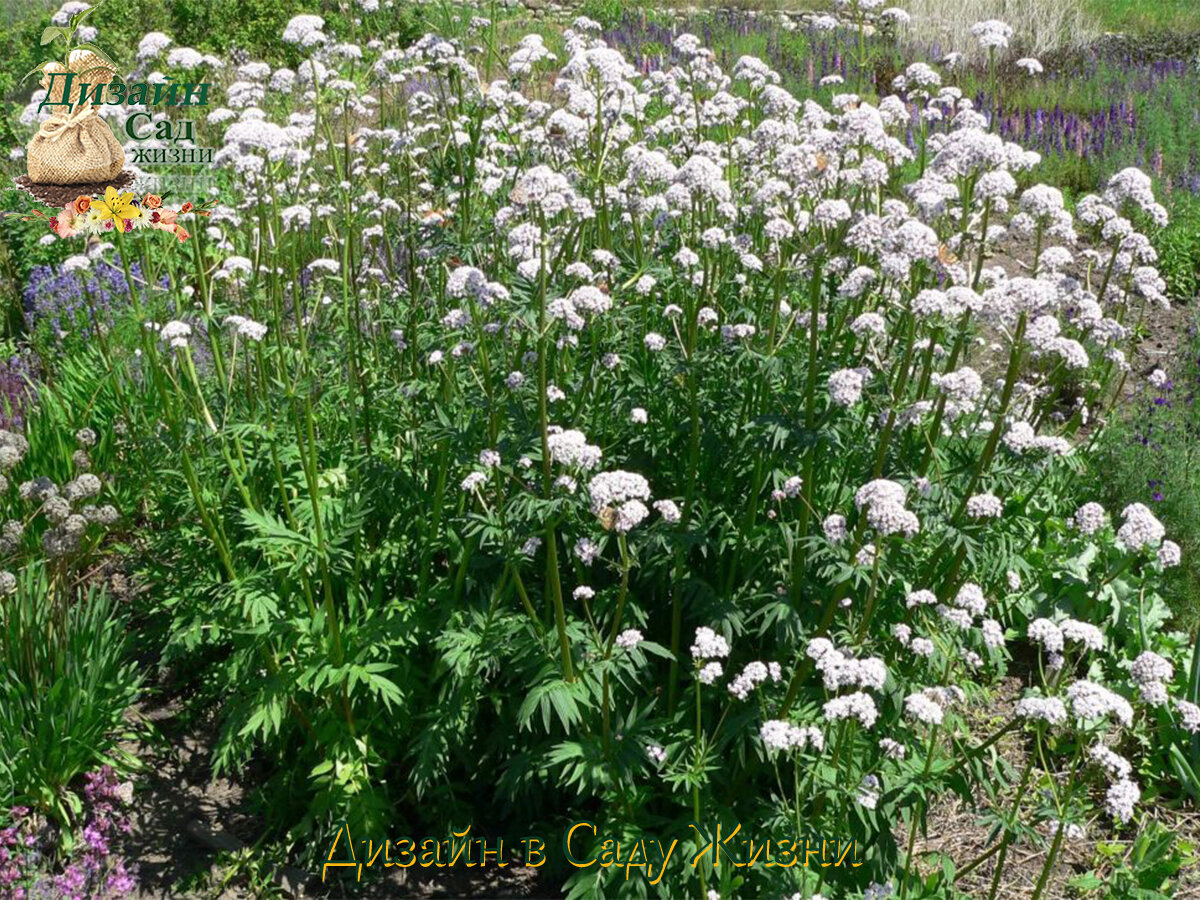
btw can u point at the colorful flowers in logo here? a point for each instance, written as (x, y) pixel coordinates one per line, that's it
(121, 212)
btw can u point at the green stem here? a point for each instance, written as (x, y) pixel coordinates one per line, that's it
(917, 813)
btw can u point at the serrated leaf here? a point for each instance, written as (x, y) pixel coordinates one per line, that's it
(654, 649)
(385, 689)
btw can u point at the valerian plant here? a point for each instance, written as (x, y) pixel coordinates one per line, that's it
(660, 443)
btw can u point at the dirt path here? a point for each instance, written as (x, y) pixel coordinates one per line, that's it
(176, 792)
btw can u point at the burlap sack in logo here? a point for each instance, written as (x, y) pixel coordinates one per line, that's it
(76, 146)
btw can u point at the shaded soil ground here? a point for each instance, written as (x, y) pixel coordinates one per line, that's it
(176, 791)
(189, 826)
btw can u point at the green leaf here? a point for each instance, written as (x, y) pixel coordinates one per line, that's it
(51, 33)
(655, 649)
(553, 697)
(385, 689)
(88, 45)
(77, 19)
(1184, 771)
(1088, 881)
(271, 529)
(38, 68)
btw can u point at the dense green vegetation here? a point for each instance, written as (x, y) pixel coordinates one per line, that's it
(529, 429)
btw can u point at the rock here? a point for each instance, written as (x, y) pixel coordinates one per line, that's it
(535, 5)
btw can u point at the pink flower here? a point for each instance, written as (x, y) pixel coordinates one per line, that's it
(63, 224)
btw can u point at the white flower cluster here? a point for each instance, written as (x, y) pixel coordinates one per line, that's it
(1021, 438)
(1050, 710)
(779, 735)
(857, 706)
(708, 644)
(246, 328)
(530, 51)
(305, 30)
(175, 333)
(629, 638)
(571, 448)
(923, 708)
(1140, 530)
(1089, 700)
(971, 599)
(840, 670)
(1085, 633)
(992, 34)
(753, 675)
(885, 510)
(1047, 634)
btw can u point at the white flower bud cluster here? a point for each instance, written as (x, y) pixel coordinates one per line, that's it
(834, 527)
(1189, 716)
(985, 506)
(1115, 765)
(993, 633)
(1089, 519)
(13, 448)
(1121, 798)
(845, 387)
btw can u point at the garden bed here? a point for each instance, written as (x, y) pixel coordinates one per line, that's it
(620, 424)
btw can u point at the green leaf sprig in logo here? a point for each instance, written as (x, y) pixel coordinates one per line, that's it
(67, 34)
